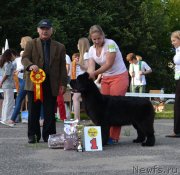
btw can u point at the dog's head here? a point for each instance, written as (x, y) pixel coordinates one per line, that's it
(83, 82)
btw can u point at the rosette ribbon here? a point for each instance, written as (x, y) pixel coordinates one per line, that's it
(37, 78)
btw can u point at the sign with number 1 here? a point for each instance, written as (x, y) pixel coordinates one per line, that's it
(92, 138)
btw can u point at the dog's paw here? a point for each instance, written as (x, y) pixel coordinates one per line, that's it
(150, 141)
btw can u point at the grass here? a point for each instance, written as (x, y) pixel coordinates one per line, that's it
(168, 112)
(83, 116)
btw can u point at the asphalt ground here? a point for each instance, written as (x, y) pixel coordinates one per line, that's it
(17, 157)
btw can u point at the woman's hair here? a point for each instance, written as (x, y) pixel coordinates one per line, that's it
(176, 34)
(83, 46)
(130, 57)
(96, 29)
(7, 56)
(24, 40)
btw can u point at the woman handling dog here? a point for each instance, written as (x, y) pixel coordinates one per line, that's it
(115, 80)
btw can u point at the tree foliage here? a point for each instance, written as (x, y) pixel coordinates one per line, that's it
(139, 26)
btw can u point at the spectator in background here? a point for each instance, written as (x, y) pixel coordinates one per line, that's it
(61, 105)
(63, 108)
(81, 63)
(7, 84)
(175, 40)
(115, 81)
(67, 104)
(20, 73)
(137, 71)
(68, 67)
(1, 94)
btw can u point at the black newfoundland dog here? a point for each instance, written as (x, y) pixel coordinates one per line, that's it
(106, 111)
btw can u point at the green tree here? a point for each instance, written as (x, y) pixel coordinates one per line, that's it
(139, 26)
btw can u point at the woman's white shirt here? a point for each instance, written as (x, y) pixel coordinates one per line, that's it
(109, 46)
(19, 67)
(176, 60)
(68, 61)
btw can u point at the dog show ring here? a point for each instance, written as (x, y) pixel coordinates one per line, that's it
(37, 78)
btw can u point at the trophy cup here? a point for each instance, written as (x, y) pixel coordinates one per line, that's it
(80, 138)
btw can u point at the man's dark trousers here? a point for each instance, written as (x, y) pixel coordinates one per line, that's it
(49, 103)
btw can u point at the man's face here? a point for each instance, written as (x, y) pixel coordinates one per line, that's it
(45, 33)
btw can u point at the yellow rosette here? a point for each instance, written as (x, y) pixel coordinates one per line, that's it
(37, 78)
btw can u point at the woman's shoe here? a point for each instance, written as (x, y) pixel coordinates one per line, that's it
(8, 123)
(11, 122)
(173, 135)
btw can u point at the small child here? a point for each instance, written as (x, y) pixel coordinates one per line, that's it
(7, 84)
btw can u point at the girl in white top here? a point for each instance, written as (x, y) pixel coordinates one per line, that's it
(176, 60)
(115, 81)
(81, 67)
(175, 40)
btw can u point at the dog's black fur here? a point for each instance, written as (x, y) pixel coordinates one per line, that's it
(106, 111)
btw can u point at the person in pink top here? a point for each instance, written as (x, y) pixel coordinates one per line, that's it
(106, 53)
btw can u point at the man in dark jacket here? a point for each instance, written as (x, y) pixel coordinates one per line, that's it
(48, 55)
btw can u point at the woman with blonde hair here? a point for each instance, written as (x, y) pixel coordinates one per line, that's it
(115, 81)
(175, 40)
(83, 47)
(81, 63)
(24, 41)
(19, 71)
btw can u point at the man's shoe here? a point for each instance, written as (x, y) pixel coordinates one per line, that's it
(33, 140)
(30, 141)
(45, 139)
